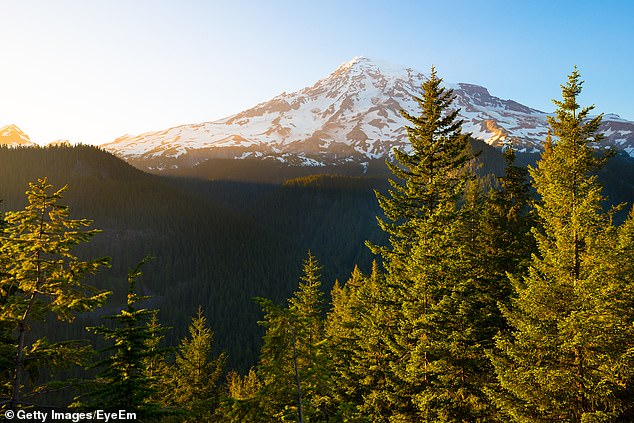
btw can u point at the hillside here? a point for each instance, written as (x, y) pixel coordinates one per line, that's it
(211, 247)
(220, 243)
(205, 254)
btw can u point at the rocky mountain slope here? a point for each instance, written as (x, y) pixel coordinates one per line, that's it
(13, 136)
(352, 115)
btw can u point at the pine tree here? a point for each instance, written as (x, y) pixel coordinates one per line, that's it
(432, 173)
(280, 396)
(435, 289)
(241, 403)
(7, 344)
(307, 303)
(505, 241)
(157, 369)
(357, 356)
(124, 383)
(293, 367)
(450, 317)
(508, 221)
(564, 355)
(197, 373)
(40, 277)
(619, 301)
(343, 323)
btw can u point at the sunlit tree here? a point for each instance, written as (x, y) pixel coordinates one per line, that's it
(40, 278)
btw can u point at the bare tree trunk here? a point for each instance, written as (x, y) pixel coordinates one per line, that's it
(19, 357)
(297, 381)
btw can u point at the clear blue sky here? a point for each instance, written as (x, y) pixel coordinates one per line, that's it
(90, 71)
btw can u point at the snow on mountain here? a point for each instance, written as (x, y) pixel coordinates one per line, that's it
(351, 115)
(12, 136)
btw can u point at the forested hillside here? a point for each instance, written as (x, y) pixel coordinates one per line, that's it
(204, 254)
(217, 244)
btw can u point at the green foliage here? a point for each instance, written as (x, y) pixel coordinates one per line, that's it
(293, 370)
(440, 300)
(357, 355)
(241, 403)
(40, 277)
(342, 327)
(196, 373)
(450, 316)
(156, 367)
(433, 173)
(507, 221)
(124, 382)
(571, 322)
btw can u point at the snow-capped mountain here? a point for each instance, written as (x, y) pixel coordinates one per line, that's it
(351, 115)
(13, 136)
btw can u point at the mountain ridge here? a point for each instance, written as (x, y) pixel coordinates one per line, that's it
(351, 115)
(13, 136)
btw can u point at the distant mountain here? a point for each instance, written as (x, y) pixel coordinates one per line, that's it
(13, 136)
(59, 143)
(351, 116)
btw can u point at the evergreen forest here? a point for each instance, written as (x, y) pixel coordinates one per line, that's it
(453, 283)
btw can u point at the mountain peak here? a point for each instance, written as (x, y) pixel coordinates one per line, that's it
(352, 115)
(13, 136)
(356, 61)
(361, 64)
(10, 128)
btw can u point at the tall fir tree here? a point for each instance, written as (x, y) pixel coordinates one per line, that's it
(41, 277)
(569, 339)
(505, 242)
(435, 290)
(124, 383)
(619, 301)
(196, 372)
(508, 219)
(156, 367)
(372, 364)
(342, 327)
(450, 317)
(7, 350)
(353, 332)
(432, 173)
(293, 368)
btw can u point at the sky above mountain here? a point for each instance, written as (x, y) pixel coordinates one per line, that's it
(91, 71)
